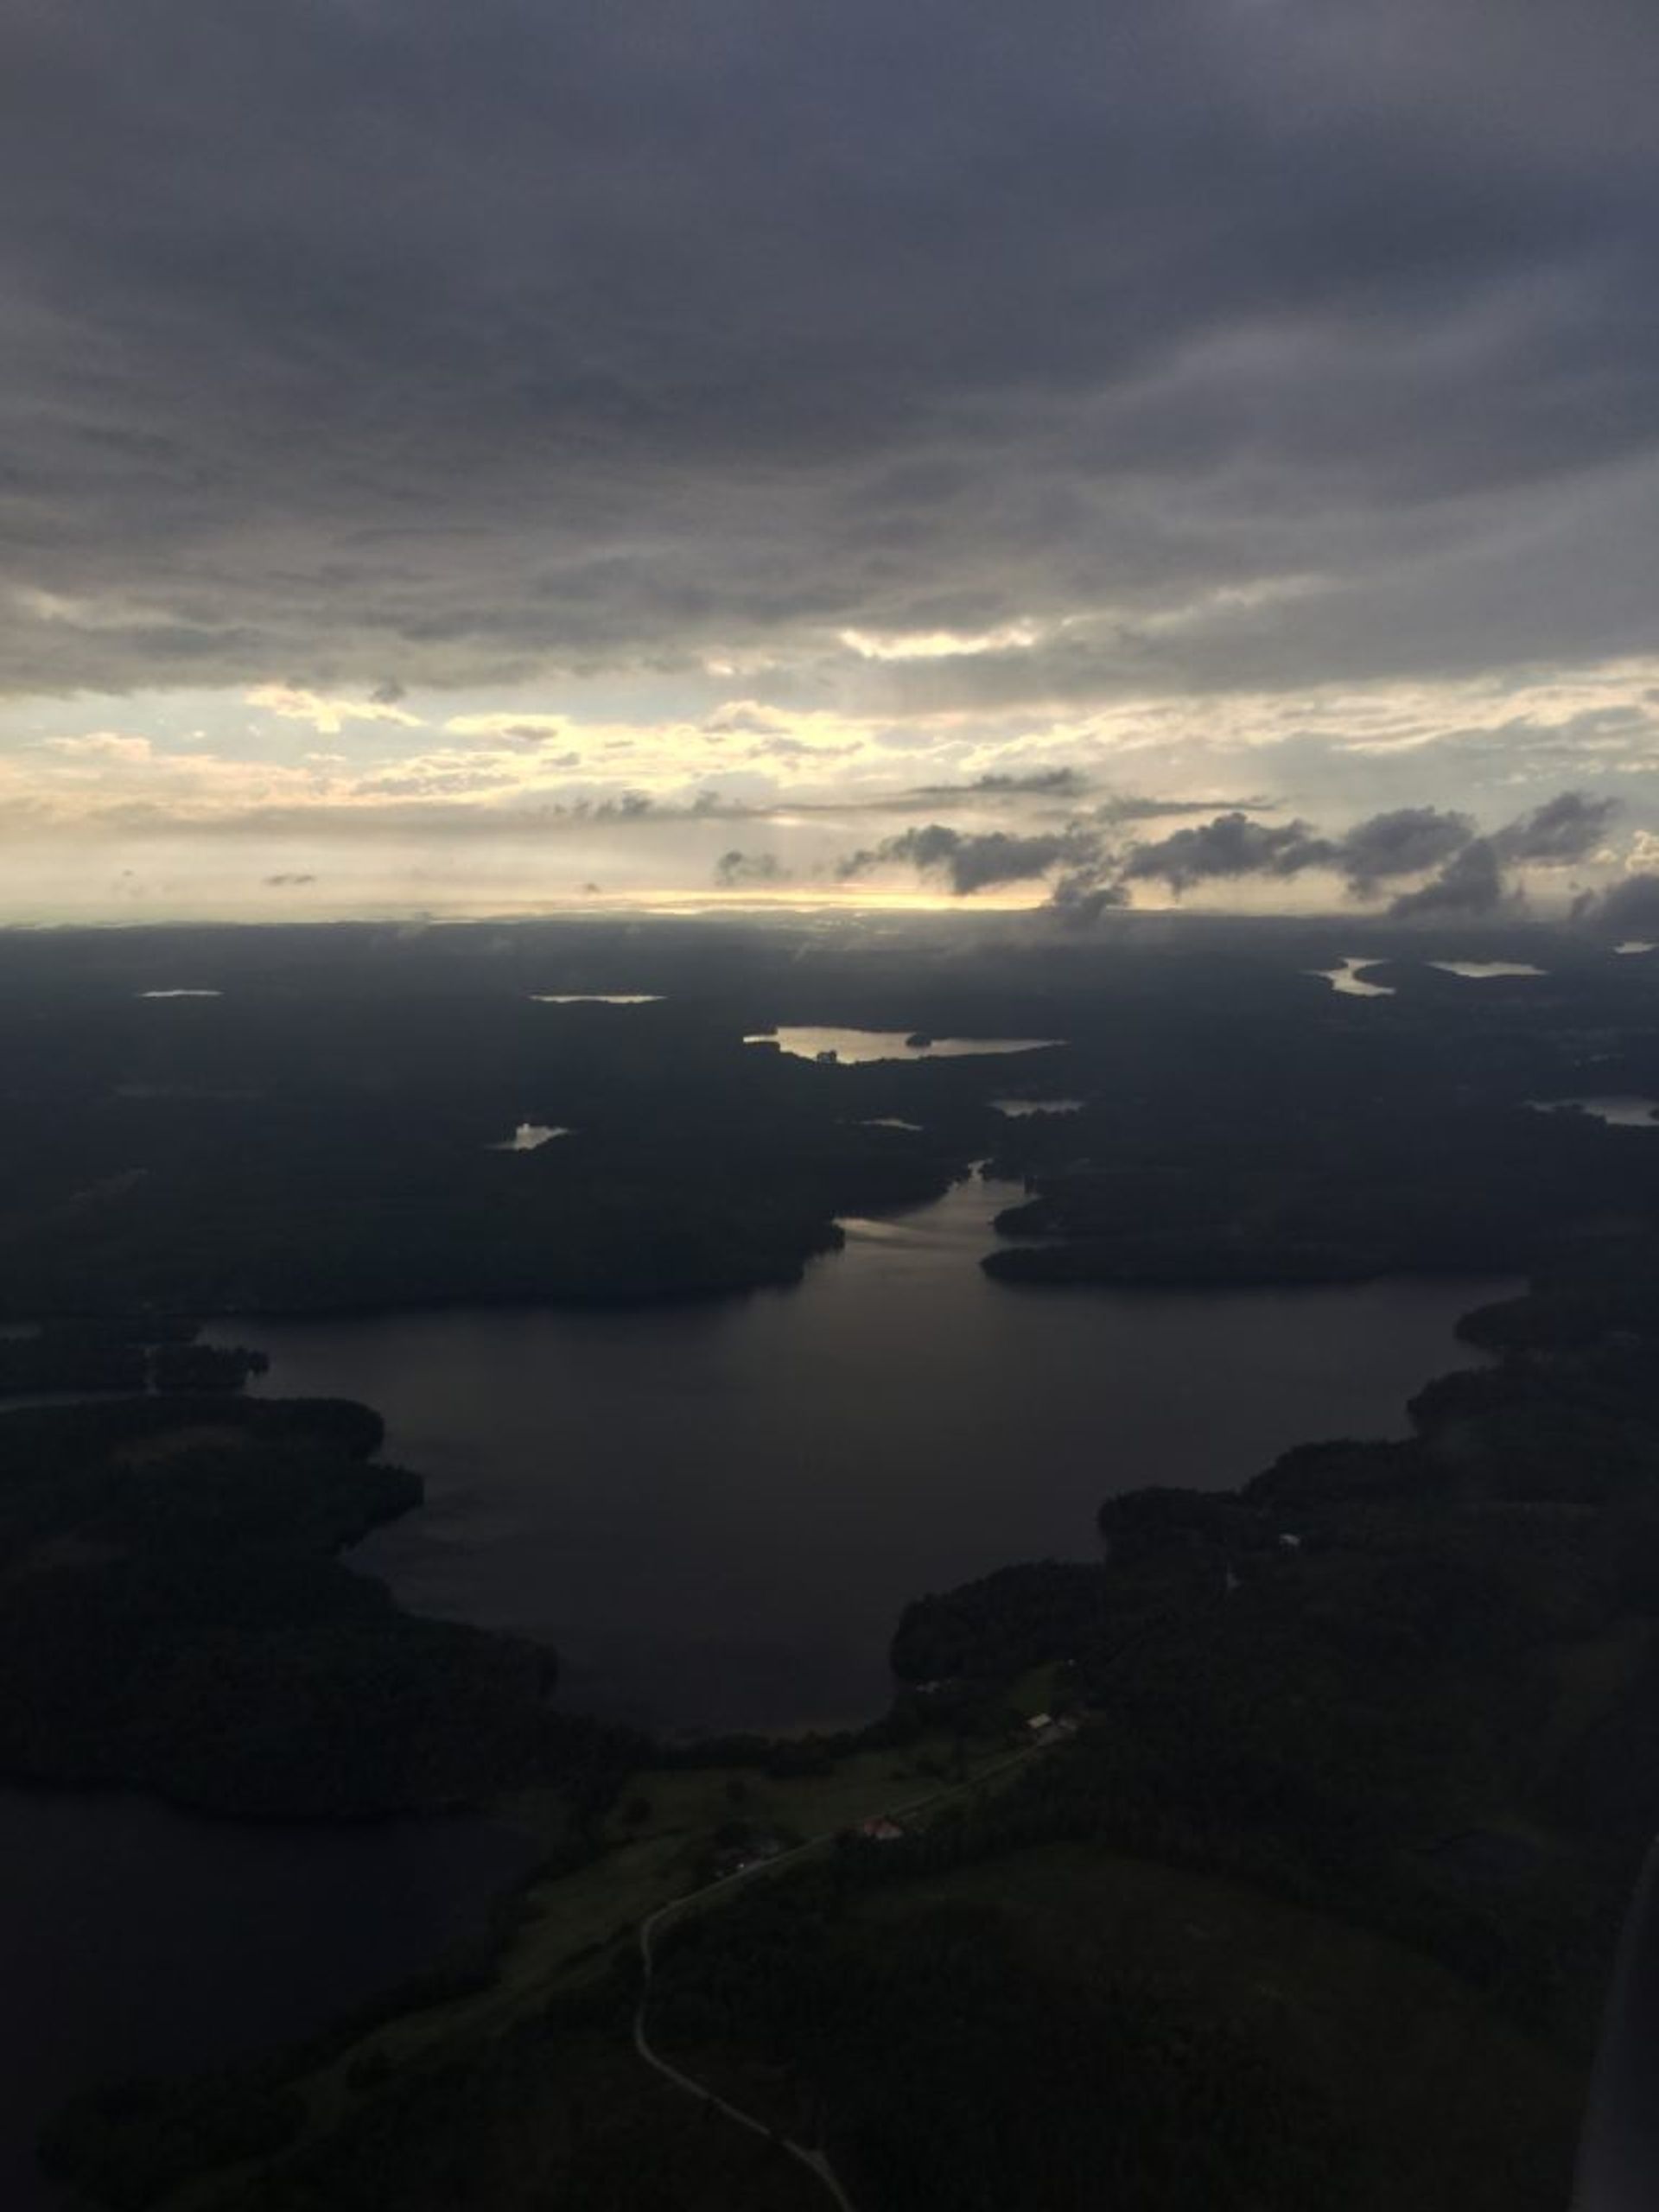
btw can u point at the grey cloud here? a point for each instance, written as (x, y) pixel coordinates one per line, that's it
(973, 862)
(1080, 899)
(1401, 842)
(1406, 840)
(1565, 828)
(1230, 846)
(1627, 909)
(530, 737)
(993, 789)
(736, 868)
(1043, 783)
(1470, 885)
(289, 881)
(481, 343)
(1127, 807)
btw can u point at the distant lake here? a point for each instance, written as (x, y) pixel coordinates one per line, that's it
(1480, 971)
(716, 1511)
(1619, 1112)
(137, 1940)
(1348, 979)
(530, 1137)
(859, 1047)
(1017, 1108)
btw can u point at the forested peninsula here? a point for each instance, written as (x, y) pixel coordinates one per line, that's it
(177, 1619)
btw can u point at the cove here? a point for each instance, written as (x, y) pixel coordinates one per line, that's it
(716, 1512)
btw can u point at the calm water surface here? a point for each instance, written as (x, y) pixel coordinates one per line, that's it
(1348, 979)
(1478, 971)
(1625, 1111)
(858, 1047)
(717, 1512)
(530, 1137)
(1018, 1108)
(135, 1940)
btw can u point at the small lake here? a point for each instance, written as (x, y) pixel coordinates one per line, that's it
(1348, 978)
(138, 1940)
(530, 1137)
(1623, 1112)
(716, 1512)
(857, 1048)
(1482, 971)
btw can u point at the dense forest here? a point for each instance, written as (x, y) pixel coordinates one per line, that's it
(324, 1130)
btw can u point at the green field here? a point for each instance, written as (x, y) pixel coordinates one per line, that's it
(574, 1926)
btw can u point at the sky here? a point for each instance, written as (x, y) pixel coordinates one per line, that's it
(742, 453)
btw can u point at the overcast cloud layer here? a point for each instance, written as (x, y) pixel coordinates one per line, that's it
(587, 399)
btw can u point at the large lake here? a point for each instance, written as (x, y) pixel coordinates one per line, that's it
(136, 1939)
(715, 1512)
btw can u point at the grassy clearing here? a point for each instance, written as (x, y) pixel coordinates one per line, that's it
(695, 1803)
(572, 1923)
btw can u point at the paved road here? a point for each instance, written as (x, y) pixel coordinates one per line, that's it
(814, 2161)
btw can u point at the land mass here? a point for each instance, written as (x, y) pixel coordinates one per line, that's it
(176, 1619)
(1275, 1858)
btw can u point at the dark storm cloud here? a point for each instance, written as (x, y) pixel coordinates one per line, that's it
(481, 341)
